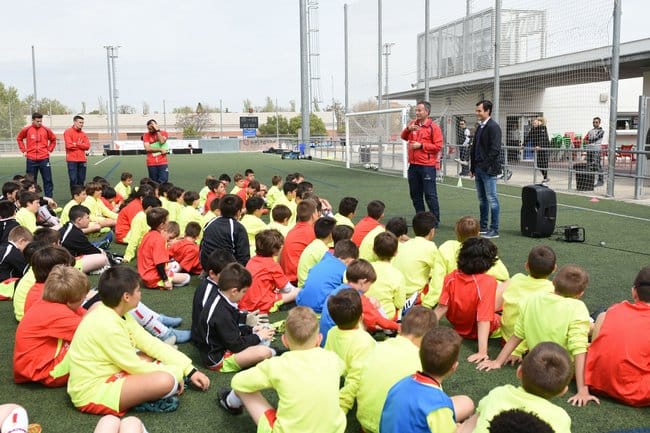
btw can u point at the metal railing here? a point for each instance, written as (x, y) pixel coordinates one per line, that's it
(570, 169)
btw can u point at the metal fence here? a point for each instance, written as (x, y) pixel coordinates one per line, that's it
(567, 165)
(569, 169)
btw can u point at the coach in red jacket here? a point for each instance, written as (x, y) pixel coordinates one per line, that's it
(76, 146)
(424, 139)
(36, 142)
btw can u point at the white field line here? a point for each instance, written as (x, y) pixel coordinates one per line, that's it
(503, 195)
(102, 160)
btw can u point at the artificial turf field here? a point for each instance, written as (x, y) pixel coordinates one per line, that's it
(623, 227)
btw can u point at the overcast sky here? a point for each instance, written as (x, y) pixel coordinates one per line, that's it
(188, 51)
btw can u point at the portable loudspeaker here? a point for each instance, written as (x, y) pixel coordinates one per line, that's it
(538, 211)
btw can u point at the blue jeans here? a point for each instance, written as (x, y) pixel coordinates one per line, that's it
(43, 165)
(422, 187)
(76, 173)
(159, 173)
(486, 189)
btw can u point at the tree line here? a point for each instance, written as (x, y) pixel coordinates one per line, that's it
(192, 121)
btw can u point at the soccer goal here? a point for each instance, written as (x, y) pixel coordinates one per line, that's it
(373, 140)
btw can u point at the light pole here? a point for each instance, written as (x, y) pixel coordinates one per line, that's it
(115, 91)
(34, 80)
(164, 115)
(387, 52)
(109, 107)
(11, 129)
(220, 118)
(111, 55)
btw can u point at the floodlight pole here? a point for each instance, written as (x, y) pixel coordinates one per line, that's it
(613, 98)
(11, 129)
(497, 55)
(34, 79)
(426, 50)
(115, 92)
(304, 74)
(220, 118)
(345, 51)
(379, 54)
(110, 93)
(164, 115)
(277, 123)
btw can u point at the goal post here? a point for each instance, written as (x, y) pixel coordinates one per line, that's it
(373, 140)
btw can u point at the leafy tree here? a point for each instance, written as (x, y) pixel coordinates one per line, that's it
(45, 106)
(270, 128)
(292, 105)
(269, 106)
(248, 105)
(186, 109)
(12, 112)
(316, 125)
(145, 108)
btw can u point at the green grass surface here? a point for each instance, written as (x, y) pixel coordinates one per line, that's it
(622, 226)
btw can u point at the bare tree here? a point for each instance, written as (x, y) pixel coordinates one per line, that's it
(193, 123)
(126, 109)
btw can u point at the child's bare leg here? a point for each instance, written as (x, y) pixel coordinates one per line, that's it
(463, 407)
(146, 387)
(92, 262)
(255, 404)
(132, 424)
(112, 424)
(181, 279)
(252, 355)
(468, 426)
(108, 424)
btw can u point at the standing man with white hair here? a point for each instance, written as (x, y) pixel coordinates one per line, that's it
(424, 141)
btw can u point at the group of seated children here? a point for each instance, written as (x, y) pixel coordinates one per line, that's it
(362, 280)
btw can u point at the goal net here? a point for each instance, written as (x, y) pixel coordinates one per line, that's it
(373, 139)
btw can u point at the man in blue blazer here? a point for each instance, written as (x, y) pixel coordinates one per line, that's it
(485, 166)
